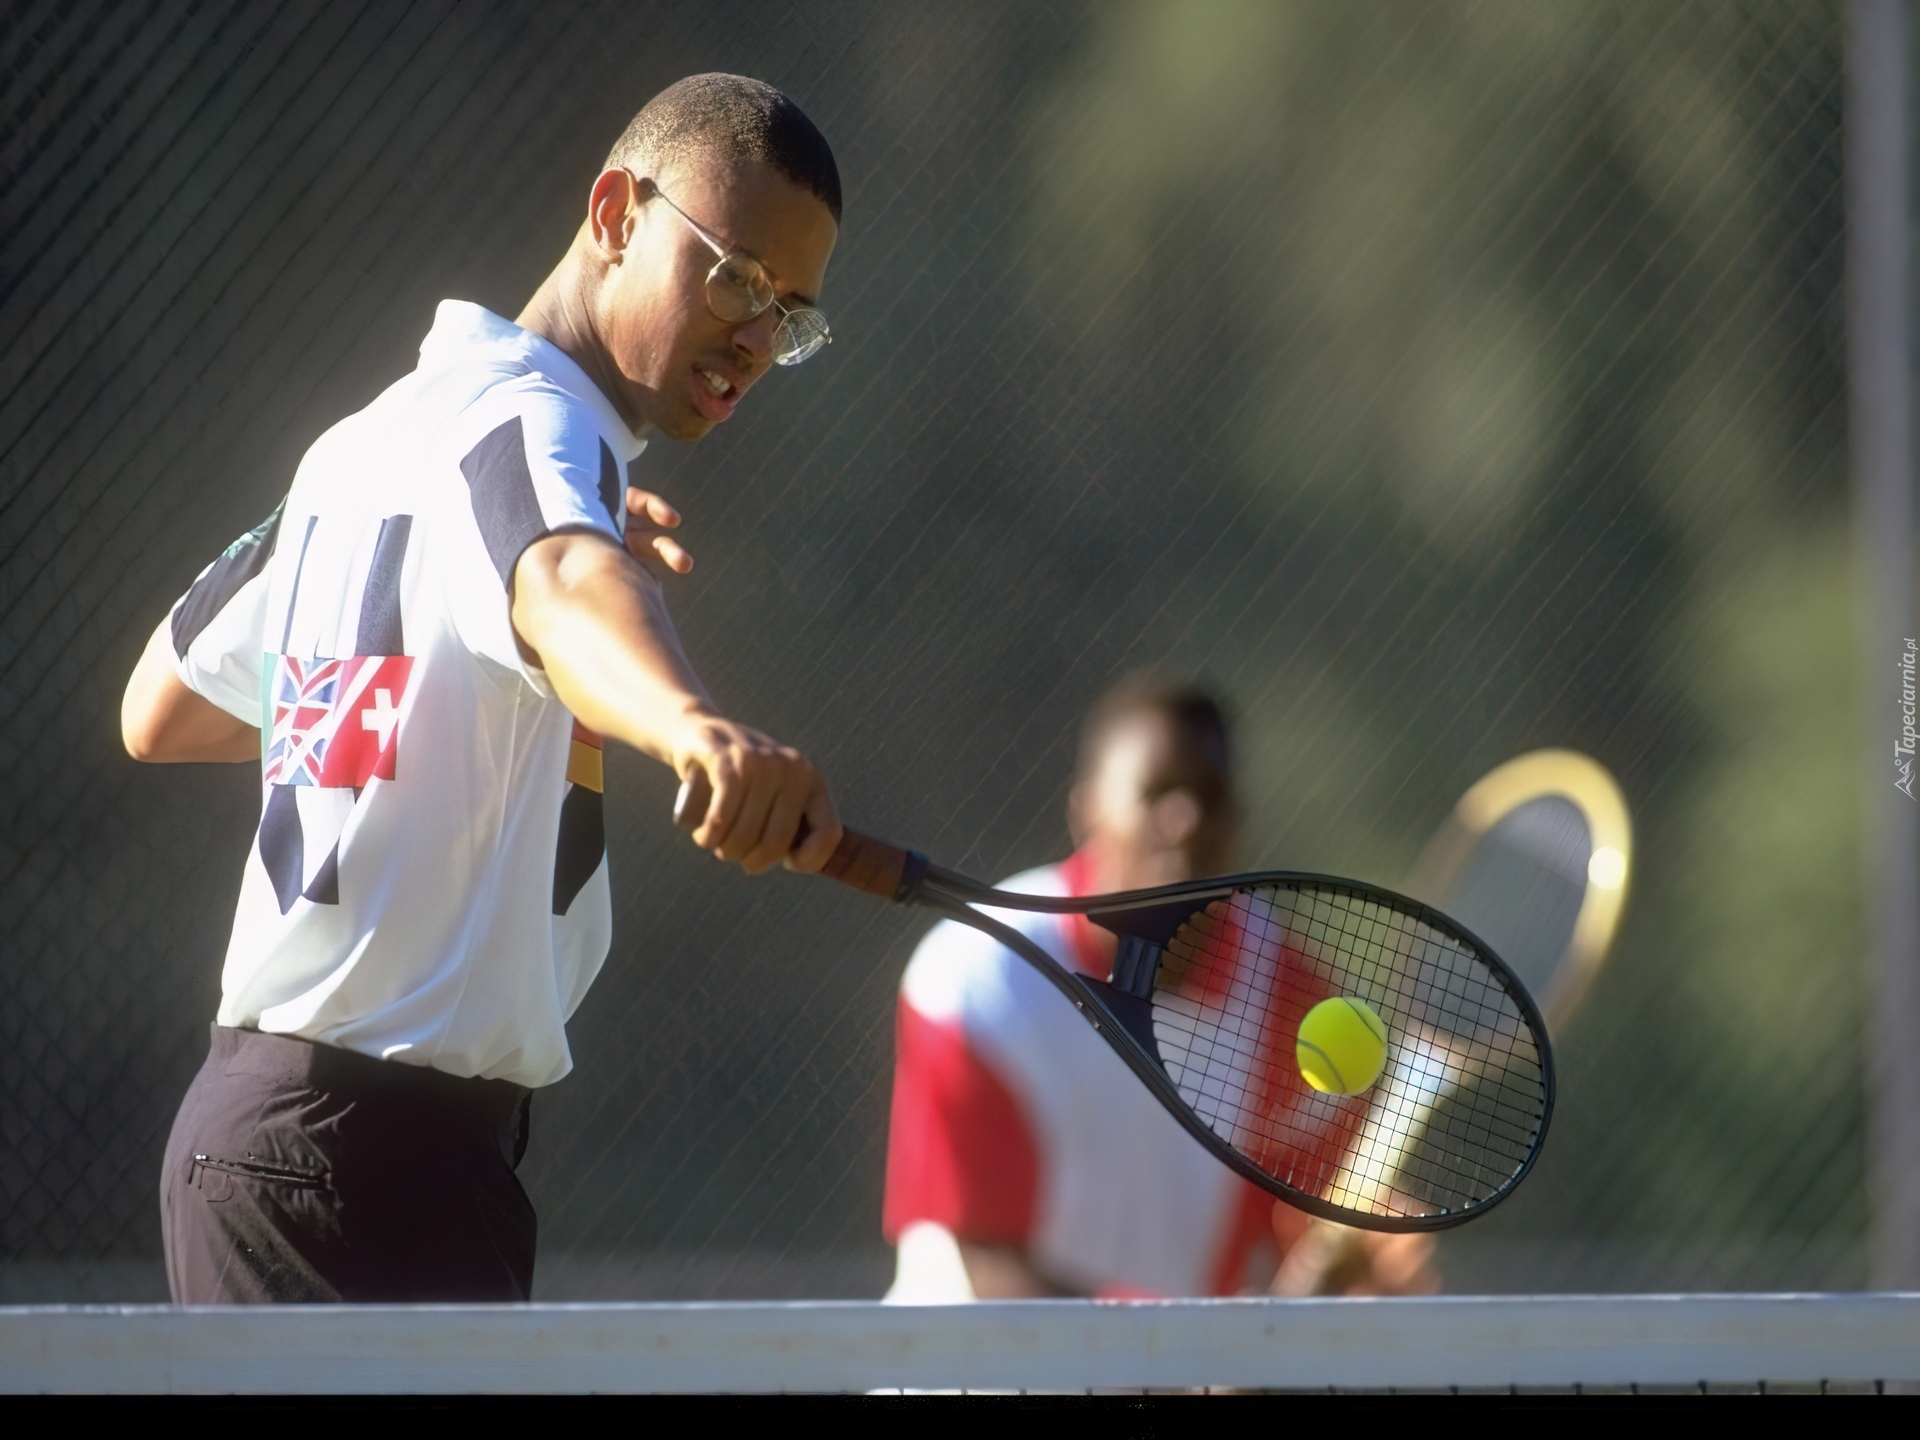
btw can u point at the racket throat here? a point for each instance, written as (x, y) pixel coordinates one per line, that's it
(1132, 1014)
(1136, 965)
(1128, 992)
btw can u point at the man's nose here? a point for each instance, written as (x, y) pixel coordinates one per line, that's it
(754, 339)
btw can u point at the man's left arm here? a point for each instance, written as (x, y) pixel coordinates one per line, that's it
(195, 695)
(163, 722)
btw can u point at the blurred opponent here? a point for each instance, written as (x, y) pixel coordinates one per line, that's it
(1023, 1158)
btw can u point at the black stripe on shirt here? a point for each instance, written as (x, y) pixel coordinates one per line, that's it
(293, 598)
(380, 632)
(582, 845)
(213, 591)
(283, 852)
(610, 485)
(325, 889)
(282, 844)
(504, 503)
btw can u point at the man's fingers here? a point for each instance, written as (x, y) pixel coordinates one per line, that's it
(823, 834)
(729, 794)
(776, 839)
(690, 805)
(645, 502)
(767, 804)
(651, 515)
(743, 836)
(649, 546)
(670, 553)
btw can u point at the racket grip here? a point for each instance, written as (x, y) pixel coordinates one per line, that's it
(868, 865)
(871, 865)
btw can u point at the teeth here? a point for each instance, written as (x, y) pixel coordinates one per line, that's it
(714, 382)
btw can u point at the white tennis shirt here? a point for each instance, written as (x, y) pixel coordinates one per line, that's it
(429, 880)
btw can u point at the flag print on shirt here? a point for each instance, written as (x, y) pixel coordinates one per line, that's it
(336, 723)
(332, 725)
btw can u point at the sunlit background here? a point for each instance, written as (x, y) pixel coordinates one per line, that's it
(1440, 382)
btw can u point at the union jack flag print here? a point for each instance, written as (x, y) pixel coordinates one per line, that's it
(335, 723)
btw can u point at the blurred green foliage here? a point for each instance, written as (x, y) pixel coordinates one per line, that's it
(1516, 328)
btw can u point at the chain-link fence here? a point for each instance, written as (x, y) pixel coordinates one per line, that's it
(1440, 382)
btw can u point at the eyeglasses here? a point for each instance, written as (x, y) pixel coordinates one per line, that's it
(739, 288)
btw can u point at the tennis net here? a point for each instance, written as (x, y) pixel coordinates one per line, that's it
(1588, 1344)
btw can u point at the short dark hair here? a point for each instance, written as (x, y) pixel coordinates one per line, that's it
(731, 118)
(1199, 721)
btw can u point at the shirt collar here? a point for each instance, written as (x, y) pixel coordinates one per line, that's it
(460, 327)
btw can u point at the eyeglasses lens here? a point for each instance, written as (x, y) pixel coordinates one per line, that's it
(738, 289)
(799, 336)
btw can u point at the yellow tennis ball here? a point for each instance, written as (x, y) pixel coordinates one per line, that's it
(1342, 1046)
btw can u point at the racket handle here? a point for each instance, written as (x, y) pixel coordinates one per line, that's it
(868, 865)
(871, 865)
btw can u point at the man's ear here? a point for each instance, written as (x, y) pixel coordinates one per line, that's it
(613, 212)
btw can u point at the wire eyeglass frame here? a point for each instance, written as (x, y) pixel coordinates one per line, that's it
(739, 288)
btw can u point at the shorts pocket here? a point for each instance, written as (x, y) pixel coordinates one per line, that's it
(214, 1176)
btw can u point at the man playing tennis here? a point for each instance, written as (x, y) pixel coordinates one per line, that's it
(1024, 1159)
(423, 646)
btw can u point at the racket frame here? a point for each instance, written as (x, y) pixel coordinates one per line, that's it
(1590, 788)
(1123, 1017)
(1123, 1014)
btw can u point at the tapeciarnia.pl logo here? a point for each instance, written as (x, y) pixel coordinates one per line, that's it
(1903, 748)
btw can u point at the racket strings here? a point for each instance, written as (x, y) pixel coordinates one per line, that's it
(1453, 1116)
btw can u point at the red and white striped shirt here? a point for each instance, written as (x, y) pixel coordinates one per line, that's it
(1014, 1124)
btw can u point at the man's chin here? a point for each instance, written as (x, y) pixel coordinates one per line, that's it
(682, 421)
(677, 422)
(686, 428)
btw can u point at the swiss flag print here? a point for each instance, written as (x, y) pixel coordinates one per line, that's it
(336, 723)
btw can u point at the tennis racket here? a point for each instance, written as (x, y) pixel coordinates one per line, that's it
(1210, 981)
(1535, 858)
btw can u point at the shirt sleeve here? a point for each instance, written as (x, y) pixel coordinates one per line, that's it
(218, 624)
(959, 1150)
(534, 462)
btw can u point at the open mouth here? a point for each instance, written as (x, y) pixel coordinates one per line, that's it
(713, 393)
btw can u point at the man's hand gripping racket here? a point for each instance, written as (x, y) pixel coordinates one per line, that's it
(1210, 982)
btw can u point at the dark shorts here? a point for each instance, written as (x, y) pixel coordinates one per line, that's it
(299, 1172)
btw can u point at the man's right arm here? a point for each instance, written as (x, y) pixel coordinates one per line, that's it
(598, 624)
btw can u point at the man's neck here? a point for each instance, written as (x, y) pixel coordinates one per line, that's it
(558, 312)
